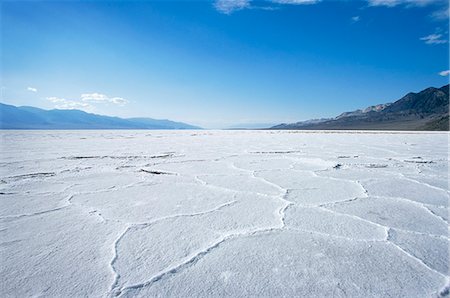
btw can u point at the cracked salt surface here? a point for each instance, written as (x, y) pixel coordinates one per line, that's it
(223, 213)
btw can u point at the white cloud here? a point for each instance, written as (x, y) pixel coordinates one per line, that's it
(434, 39)
(392, 3)
(86, 101)
(95, 97)
(32, 89)
(296, 2)
(445, 73)
(229, 6)
(355, 19)
(442, 14)
(389, 3)
(67, 104)
(102, 98)
(56, 99)
(119, 100)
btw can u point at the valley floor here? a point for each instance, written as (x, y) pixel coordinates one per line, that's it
(223, 213)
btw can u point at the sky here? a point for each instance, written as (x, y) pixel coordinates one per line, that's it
(221, 63)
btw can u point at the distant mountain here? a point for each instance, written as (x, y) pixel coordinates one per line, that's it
(12, 117)
(161, 124)
(376, 108)
(249, 126)
(303, 123)
(426, 110)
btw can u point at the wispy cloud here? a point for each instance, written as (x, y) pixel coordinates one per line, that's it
(230, 6)
(434, 39)
(296, 2)
(67, 104)
(32, 89)
(356, 19)
(86, 101)
(445, 73)
(119, 100)
(392, 3)
(389, 3)
(440, 15)
(102, 98)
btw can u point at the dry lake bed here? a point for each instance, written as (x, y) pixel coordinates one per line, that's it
(224, 213)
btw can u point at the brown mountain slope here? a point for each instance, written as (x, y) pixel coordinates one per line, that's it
(425, 110)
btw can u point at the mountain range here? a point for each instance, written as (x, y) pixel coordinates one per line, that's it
(425, 110)
(12, 117)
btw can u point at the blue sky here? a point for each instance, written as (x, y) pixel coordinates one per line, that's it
(220, 63)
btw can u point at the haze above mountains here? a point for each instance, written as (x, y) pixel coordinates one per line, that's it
(425, 110)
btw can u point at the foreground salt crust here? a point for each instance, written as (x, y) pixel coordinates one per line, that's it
(223, 213)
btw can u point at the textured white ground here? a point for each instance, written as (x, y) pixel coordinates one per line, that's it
(223, 213)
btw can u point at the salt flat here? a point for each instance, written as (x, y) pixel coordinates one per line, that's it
(224, 213)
